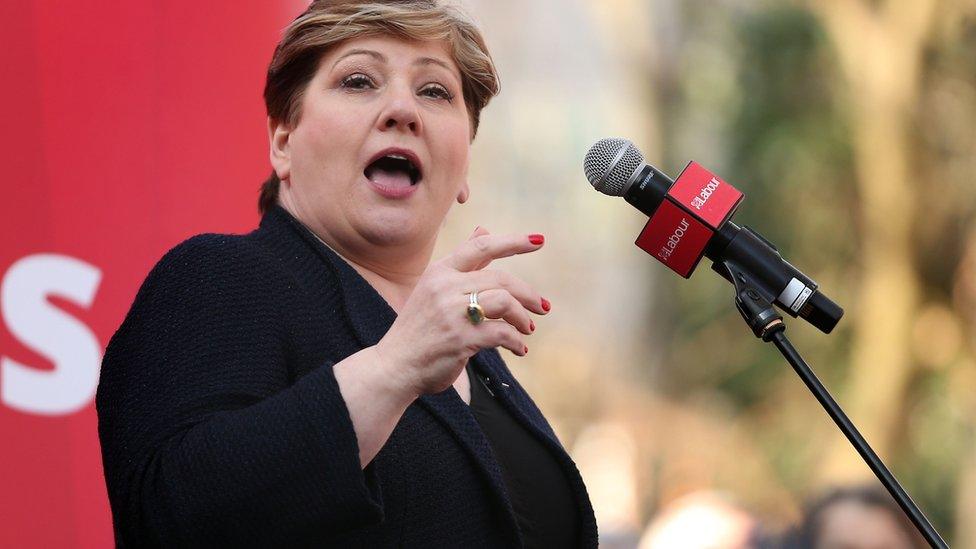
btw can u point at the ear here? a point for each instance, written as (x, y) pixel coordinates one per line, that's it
(278, 134)
(464, 193)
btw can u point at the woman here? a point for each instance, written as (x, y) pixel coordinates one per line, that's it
(319, 381)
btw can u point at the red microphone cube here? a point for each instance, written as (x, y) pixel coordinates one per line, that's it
(696, 205)
(675, 238)
(705, 195)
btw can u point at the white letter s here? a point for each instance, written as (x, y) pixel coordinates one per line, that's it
(49, 331)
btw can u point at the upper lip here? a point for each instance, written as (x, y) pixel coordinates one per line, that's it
(406, 153)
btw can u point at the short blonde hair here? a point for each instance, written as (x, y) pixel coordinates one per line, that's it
(327, 23)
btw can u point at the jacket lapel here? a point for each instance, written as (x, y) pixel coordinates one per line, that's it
(514, 398)
(450, 410)
(520, 406)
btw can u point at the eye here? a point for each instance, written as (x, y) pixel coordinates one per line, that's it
(358, 81)
(436, 91)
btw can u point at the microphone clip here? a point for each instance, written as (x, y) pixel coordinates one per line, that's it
(754, 304)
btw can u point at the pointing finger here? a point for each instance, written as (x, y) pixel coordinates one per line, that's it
(479, 251)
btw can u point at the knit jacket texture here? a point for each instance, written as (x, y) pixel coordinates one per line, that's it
(221, 422)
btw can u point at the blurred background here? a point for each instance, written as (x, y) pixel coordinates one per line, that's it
(849, 125)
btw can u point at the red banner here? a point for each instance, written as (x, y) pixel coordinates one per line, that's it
(128, 126)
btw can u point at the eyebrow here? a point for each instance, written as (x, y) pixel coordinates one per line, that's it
(374, 54)
(433, 61)
(382, 58)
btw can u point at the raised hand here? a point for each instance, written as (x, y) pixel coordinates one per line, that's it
(432, 338)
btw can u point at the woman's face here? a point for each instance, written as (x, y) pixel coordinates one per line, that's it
(381, 149)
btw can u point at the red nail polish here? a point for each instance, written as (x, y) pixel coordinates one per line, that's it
(531, 326)
(525, 351)
(536, 239)
(546, 305)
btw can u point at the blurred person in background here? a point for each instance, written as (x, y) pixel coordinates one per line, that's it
(320, 380)
(702, 520)
(861, 517)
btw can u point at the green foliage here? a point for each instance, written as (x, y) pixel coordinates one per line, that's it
(781, 133)
(789, 153)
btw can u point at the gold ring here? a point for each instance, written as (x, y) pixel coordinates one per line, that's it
(474, 311)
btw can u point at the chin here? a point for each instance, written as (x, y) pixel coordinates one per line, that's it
(392, 232)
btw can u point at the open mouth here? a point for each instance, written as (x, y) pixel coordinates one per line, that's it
(393, 170)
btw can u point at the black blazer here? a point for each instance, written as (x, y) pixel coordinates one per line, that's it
(221, 422)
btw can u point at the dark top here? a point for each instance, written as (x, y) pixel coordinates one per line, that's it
(221, 422)
(541, 497)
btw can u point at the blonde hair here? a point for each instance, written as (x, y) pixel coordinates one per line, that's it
(327, 23)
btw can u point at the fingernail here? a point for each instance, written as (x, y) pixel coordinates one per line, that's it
(546, 305)
(536, 239)
(525, 351)
(476, 229)
(531, 326)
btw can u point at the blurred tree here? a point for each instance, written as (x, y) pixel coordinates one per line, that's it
(849, 126)
(880, 46)
(910, 92)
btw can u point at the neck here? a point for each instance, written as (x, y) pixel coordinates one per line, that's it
(395, 285)
(392, 271)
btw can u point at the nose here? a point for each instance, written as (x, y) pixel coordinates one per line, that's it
(400, 111)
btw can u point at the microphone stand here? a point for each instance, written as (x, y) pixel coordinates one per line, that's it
(755, 306)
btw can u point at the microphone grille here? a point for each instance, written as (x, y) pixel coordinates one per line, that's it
(609, 164)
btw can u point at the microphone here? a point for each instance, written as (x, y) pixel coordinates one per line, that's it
(690, 218)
